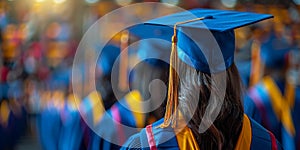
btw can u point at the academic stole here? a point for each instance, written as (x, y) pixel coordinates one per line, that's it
(281, 104)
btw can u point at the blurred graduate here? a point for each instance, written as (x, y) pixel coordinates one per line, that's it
(110, 124)
(274, 101)
(13, 119)
(58, 123)
(96, 102)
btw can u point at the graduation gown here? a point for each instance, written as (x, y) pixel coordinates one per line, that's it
(71, 130)
(110, 123)
(49, 123)
(12, 123)
(253, 136)
(266, 105)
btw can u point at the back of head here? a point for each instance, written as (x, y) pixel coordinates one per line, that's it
(149, 81)
(274, 53)
(151, 74)
(194, 95)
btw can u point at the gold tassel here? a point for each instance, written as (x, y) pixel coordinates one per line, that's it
(171, 113)
(123, 70)
(172, 104)
(255, 74)
(290, 93)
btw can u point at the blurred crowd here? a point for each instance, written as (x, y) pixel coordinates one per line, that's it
(39, 40)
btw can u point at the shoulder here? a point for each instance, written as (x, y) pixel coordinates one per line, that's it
(258, 131)
(258, 94)
(262, 137)
(257, 103)
(120, 111)
(134, 142)
(297, 94)
(137, 141)
(152, 136)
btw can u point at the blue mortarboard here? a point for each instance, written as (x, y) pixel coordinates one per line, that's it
(155, 45)
(144, 31)
(108, 56)
(210, 31)
(59, 79)
(274, 52)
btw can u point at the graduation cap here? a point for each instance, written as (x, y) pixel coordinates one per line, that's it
(146, 31)
(155, 43)
(215, 28)
(274, 52)
(107, 58)
(203, 39)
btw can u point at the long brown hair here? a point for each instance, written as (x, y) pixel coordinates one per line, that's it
(225, 130)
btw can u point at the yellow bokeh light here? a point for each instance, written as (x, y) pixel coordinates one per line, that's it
(123, 2)
(59, 1)
(91, 1)
(172, 2)
(39, 1)
(229, 3)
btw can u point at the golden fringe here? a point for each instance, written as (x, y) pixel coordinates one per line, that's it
(171, 114)
(255, 74)
(172, 103)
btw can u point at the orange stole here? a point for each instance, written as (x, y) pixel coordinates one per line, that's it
(245, 138)
(186, 139)
(280, 104)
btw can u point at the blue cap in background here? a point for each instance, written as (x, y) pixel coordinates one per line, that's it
(155, 44)
(274, 52)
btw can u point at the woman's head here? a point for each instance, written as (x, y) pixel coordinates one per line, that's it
(150, 75)
(145, 77)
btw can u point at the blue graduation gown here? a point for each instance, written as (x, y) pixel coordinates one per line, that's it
(15, 125)
(258, 105)
(253, 136)
(7, 128)
(71, 130)
(110, 124)
(295, 115)
(49, 127)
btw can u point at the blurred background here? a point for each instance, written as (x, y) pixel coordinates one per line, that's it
(38, 42)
